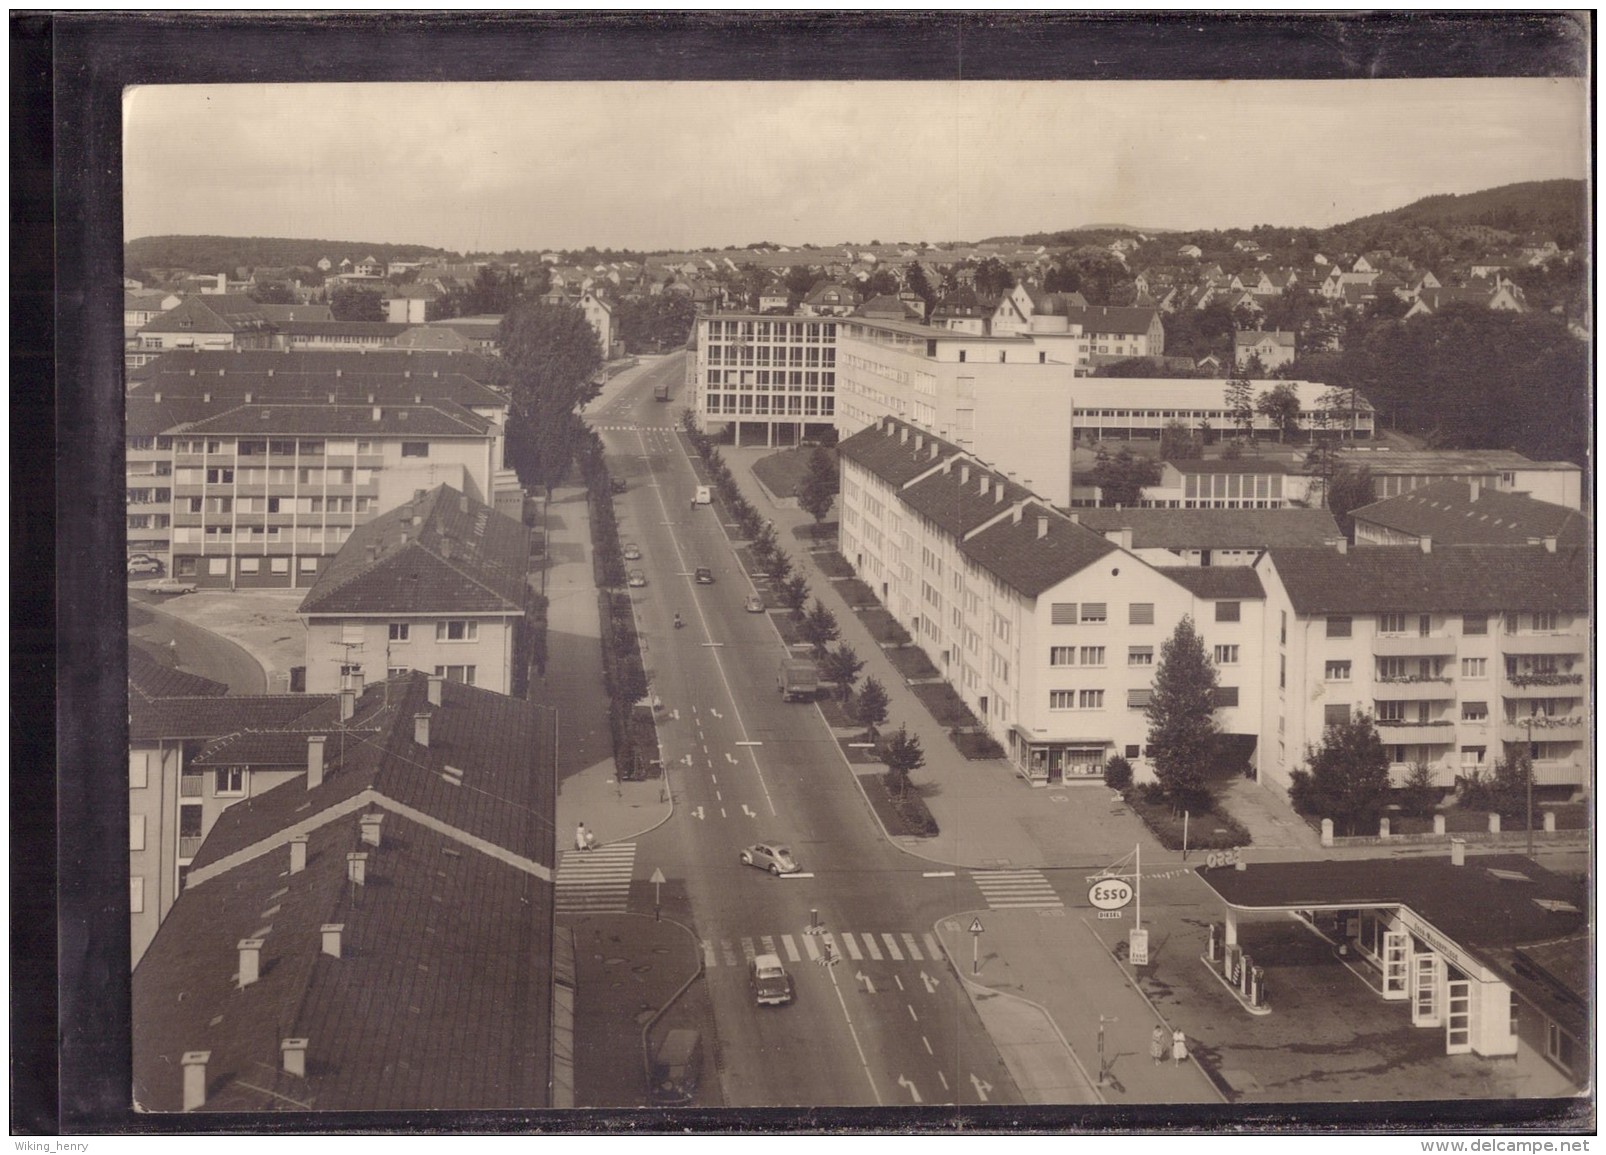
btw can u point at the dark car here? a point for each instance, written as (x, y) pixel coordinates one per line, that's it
(705, 576)
(619, 485)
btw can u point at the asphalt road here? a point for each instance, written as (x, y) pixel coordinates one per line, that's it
(887, 1024)
(191, 648)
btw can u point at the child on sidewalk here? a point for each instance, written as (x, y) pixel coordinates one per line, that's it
(1157, 1045)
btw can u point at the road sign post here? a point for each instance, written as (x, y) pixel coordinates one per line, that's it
(975, 946)
(657, 881)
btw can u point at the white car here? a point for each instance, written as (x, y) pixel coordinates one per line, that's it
(770, 856)
(171, 586)
(636, 578)
(632, 551)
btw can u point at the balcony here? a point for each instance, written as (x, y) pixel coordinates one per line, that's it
(1546, 685)
(1557, 643)
(1413, 645)
(1416, 733)
(188, 845)
(1559, 772)
(1557, 728)
(1415, 689)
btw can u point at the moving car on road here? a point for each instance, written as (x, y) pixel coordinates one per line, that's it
(632, 551)
(705, 576)
(753, 604)
(770, 983)
(144, 563)
(770, 856)
(636, 578)
(171, 586)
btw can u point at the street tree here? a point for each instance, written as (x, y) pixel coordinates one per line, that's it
(817, 490)
(1513, 776)
(1347, 779)
(1418, 794)
(1280, 406)
(1182, 717)
(793, 593)
(819, 628)
(552, 354)
(870, 706)
(353, 304)
(1121, 477)
(272, 293)
(842, 666)
(1180, 443)
(1240, 398)
(903, 755)
(779, 568)
(764, 545)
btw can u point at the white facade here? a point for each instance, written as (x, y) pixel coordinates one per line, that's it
(475, 649)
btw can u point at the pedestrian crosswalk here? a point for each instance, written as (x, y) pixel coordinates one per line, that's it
(1011, 888)
(595, 881)
(855, 946)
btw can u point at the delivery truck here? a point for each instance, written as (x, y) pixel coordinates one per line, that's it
(660, 392)
(797, 680)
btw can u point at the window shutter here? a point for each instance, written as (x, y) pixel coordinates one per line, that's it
(1094, 611)
(1141, 614)
(1335, 715)
(1063, 614)
(1227, 612)
(1138, 699)
(351, 634)
(1226, 696)
(138, 769)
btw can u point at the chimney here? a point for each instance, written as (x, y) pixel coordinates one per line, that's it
(964, 474)
(446, 548)
(1042, 527)
(421, 729)
(1015, 514)
(436, 681)
(1341, 544)
(248, 398)
(331, 938)
(998, 492)
(195, 1078)
(295, 1057)
(373, 551)
(357, 867)
(1121, 537)
(298, 854)
(348, 704)
(1474, 488)
(1458, 852)
(369, 824)
(157, 396)
(378, 413)
(462, 503)
(250, 961)
(903, 434)
(1426, 542)
(920, 442)
(1076, 518)
(207, 397)
(933, 449)
(1550, 543)
(315, 760)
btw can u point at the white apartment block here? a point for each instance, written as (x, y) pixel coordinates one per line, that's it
(1459, 653)
(773, 378)
(1138, 408)
(1049, 631)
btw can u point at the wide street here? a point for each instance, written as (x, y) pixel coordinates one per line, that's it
(886, 1023)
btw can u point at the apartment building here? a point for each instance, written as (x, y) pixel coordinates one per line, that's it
(1459, 653)
(773, 378)
(438, 584)
(306, 926)
(1397, 471)
(1210, 537)
(184, 390)
(222, 321)
(1048, 630)
(1138, 408)
(1466, 513)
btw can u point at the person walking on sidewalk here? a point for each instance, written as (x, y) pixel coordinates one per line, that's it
(1157, 1045)
(580, 837)
(1179, 1048)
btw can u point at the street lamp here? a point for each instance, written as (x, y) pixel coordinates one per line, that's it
(1528, 767)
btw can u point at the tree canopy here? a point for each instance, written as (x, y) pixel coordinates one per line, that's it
(1121, 477)
(1347, 779)
(352, 304)
(817, 491)
(552, 355)
(1182, 718)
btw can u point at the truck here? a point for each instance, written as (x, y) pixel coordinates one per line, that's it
(797, 679)
(660, 392)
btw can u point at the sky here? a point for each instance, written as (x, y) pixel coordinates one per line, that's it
(654, 166)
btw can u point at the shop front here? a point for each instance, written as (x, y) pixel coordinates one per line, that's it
(1057, 761)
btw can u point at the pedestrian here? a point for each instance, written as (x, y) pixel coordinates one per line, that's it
(591, 840)
(580, 836)
(1157, 1045)
(1179, 1048)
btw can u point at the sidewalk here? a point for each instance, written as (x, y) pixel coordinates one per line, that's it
(588, 789)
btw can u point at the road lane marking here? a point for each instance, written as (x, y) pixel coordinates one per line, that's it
(914, 948)
(927, 1041)
(791, 949)
(912, 1014)
(912, 1089)
(748, 953)
(897, 980)
(936, 874)
(870, 945)
(863, 1062)
(854, 952)
(767, 941)
(708, 954)
(812, 947)
(933, 951)
(728, 951)
(943, 1077)
(892, 947)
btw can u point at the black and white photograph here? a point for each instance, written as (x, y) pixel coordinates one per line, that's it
(1057, 599)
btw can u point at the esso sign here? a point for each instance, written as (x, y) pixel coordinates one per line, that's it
(1110, 893)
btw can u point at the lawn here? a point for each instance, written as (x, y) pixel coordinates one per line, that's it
(857, 755)
(906, 816)
(832, 564)
(837, 714)
(854, 592)
(945, 704)
(884, 628)
(976, 747)
(788, 627)
(781, 472)
(816, 533)
(911, 662)
(1210, 830)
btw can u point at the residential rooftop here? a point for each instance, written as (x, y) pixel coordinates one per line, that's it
(1215, 528)
(1466, 513)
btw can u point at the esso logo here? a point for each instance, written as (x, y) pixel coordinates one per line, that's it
(1110, 893)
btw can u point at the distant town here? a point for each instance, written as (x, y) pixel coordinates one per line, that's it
(552, 672)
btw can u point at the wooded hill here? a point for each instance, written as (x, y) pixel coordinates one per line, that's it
(210, 254)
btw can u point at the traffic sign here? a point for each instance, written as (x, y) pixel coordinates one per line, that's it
(975, 926)
(1110, 893)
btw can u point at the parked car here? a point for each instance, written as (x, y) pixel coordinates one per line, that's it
(144, 563)
(753, 604)
(632, 551)
(770, 856)
(636, 578)
(618, 485)
(703, 496)
(770, 984)
(171, 586)
(705, 576)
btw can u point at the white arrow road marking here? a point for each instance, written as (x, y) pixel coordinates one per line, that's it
(715, 712)
(931, 983)
(698, 812)
(675, 714)
(687, 759)
(748, 811)
(729, 758)
(869, 987)
(913, 1090)
(981, 1085)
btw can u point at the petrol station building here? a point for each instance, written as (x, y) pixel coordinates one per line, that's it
(1494, 950)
